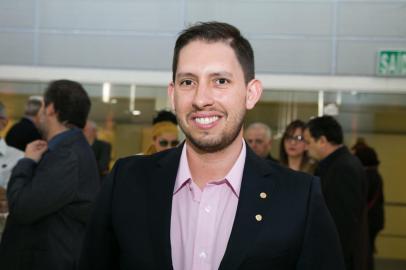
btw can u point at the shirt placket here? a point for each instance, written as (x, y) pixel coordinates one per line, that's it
(205, 231)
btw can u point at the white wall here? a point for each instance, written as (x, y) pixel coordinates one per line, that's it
(325, 37)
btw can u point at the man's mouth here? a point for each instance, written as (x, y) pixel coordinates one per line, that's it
(206, 120)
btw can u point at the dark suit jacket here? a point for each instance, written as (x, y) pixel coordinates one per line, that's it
(22, 133)
(130, 226)
(271, 158)
(49, 205)
(345, 192)
(102, 152)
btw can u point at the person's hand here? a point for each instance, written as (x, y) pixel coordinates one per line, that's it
(35, 150)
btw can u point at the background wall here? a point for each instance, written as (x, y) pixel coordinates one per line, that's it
(327, 37)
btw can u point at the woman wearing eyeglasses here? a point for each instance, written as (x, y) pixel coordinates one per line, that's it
(292, 151)
(164, 133)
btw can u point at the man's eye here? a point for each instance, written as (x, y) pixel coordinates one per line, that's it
(186, 82)
(222, 81)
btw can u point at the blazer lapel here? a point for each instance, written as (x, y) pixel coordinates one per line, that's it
(251, 210)
(162, 183)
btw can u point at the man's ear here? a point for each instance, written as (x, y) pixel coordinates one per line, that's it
(50, 109)
(171, 93)
(254, 92)
(323, 140)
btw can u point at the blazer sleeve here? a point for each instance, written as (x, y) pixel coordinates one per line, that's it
(321, 248)
(100, 246)
(37, 190)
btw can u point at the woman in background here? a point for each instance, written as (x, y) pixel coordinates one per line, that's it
(293, 153)
(164, 133)
(376, 215)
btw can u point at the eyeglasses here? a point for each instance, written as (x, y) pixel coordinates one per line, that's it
(165, 143)
(298, 138)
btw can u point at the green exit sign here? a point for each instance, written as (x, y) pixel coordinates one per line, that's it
(392, 63)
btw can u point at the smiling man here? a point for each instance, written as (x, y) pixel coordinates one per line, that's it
(210, 203)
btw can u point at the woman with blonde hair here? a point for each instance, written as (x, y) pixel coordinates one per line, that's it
(164, 133)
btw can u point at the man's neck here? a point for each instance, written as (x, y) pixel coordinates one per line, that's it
(206, 167)
(331, 149)
(90, 140)
(55, 130)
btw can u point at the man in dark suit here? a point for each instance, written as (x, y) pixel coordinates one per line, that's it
(26, 130)
(344, 187)
(210, 203)
(51, 190)
(101, 149)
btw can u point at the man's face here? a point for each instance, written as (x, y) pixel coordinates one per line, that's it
(3, 122)
(90, 132)
(43, 121)
(258, 141)
(313, 146)
(210, 96)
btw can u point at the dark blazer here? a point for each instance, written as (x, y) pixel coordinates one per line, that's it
(271, 158)
(102, 152)
(344, 188)
(49, 205)
(130, 226)
(22, 133)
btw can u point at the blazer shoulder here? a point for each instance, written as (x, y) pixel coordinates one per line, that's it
(289, 173)
(290, 179)
(139, 163)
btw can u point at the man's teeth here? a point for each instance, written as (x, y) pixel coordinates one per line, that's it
(206, 120)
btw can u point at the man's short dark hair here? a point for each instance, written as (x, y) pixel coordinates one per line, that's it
(215, 32)
(326, 126)
(70, 100)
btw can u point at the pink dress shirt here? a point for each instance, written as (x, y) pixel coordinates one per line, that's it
(202, 220)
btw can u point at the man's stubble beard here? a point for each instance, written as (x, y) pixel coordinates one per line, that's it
(215, 144)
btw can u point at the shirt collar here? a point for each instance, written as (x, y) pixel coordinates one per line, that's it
(61, 137)
(3, 147)
(233, 177)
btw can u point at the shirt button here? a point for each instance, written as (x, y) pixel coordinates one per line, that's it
(207, 209)
(203, 255)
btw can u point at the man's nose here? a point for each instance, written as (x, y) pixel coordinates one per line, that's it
(203, 96)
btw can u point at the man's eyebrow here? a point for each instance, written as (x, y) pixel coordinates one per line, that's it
(213, 74)
(222, 73)
(185, 74)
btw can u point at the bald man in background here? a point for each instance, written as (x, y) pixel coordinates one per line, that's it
(26, 130)
(259, 138)
(101, 149)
